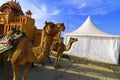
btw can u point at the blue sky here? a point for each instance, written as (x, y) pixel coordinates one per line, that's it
(104, 13)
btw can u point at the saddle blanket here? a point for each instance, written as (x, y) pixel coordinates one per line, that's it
(8, 42)
(6, 48)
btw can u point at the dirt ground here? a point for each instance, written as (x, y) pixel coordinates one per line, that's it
(68, 71)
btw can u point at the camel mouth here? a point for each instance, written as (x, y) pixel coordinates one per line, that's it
(63, 29)
(76, 39)
(62, 26)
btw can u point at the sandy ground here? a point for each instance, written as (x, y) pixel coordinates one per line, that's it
(68, 71)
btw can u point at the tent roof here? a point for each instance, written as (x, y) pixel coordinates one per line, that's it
(90, 29)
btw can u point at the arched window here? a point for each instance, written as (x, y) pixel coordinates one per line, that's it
(15, 26)
(9, 28)
(23, 20)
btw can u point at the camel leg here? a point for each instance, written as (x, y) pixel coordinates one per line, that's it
(59, 59)
(32, 66)
(56, 62)
(6, 66)
(49, 59)
(27, 67)
(16, 70)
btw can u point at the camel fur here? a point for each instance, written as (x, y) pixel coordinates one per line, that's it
(26, 54)
(5, 55)
(60, 48)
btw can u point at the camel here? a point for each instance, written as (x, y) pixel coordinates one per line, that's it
(60, 47)
(5, 55)
(26, 54)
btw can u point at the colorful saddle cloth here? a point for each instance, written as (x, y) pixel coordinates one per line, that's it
(8, 42)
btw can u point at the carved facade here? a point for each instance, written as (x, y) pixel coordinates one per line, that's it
(12, 16)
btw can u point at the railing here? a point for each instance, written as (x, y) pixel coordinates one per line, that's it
(8, 27)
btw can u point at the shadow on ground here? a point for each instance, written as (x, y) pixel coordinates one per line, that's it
(69, 71)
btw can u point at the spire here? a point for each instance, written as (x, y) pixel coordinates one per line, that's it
(89, 28)
(88, 16)
(89, 19)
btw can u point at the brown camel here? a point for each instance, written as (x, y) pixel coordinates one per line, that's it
(5, 55)
(26, 54)
(60, 47)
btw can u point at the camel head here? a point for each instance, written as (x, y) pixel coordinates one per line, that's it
(73, 39)
(52, 28)
(61, 26)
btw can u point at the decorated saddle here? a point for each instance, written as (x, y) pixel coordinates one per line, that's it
(8, 42)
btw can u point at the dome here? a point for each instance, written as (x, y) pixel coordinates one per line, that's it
(11, 6)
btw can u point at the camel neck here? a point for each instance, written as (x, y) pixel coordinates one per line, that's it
(68, 46)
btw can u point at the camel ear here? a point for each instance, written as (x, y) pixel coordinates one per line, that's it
(45, 22)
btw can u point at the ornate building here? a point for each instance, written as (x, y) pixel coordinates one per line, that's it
(12, 16)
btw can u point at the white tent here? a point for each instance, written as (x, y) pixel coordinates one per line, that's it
(94, 44)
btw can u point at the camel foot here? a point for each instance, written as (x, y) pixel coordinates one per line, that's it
(43, 64)
(32, 66)
(57, 66)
